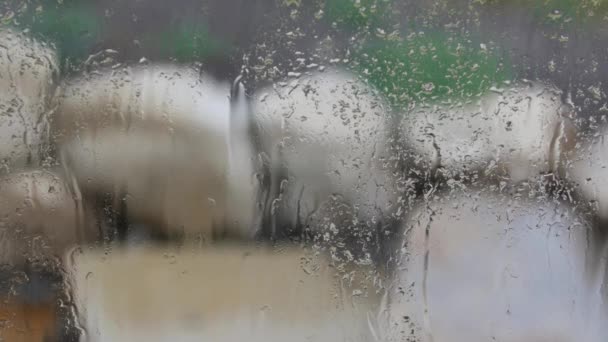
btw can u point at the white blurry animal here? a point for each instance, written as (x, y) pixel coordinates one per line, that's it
(325, 134)
(162, 139)
(28, 69)
(40, 219)
(220, 294)
(484, 266)
(518, 132)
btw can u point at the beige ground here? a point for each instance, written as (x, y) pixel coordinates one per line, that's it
(220, 294)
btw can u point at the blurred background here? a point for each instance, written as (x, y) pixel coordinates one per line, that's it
(323, 170)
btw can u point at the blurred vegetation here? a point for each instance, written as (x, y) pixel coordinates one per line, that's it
(431, 66)
(187, 42)
(78, 29)
(406, 63)
(573, 12)
(356, 14)
(409, 65)
(73, 26)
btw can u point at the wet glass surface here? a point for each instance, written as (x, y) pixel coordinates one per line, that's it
(288, 170)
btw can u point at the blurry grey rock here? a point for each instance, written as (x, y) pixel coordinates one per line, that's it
(28, 69)
(587, 168)
(40, 218)
(326, 133)
(483, 266)
(518, 132)
(161, 138)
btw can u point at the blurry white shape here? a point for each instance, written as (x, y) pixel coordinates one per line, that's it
(588, 168)
(160, 135)
(27, 73)
(480, 266)
(519, 132)
(330, 132)
(230, 294)
(242, 183)
(40, 218)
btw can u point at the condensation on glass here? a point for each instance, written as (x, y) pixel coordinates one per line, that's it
(288, 170)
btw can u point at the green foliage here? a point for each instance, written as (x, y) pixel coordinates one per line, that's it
(564, 12)
(188, 42)
(357, 14)
(74, 27)
(419, 67)
(433, 66)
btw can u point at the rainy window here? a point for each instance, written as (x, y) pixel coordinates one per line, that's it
(289, 170)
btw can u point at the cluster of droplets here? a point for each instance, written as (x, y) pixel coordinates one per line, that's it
(421, 176)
